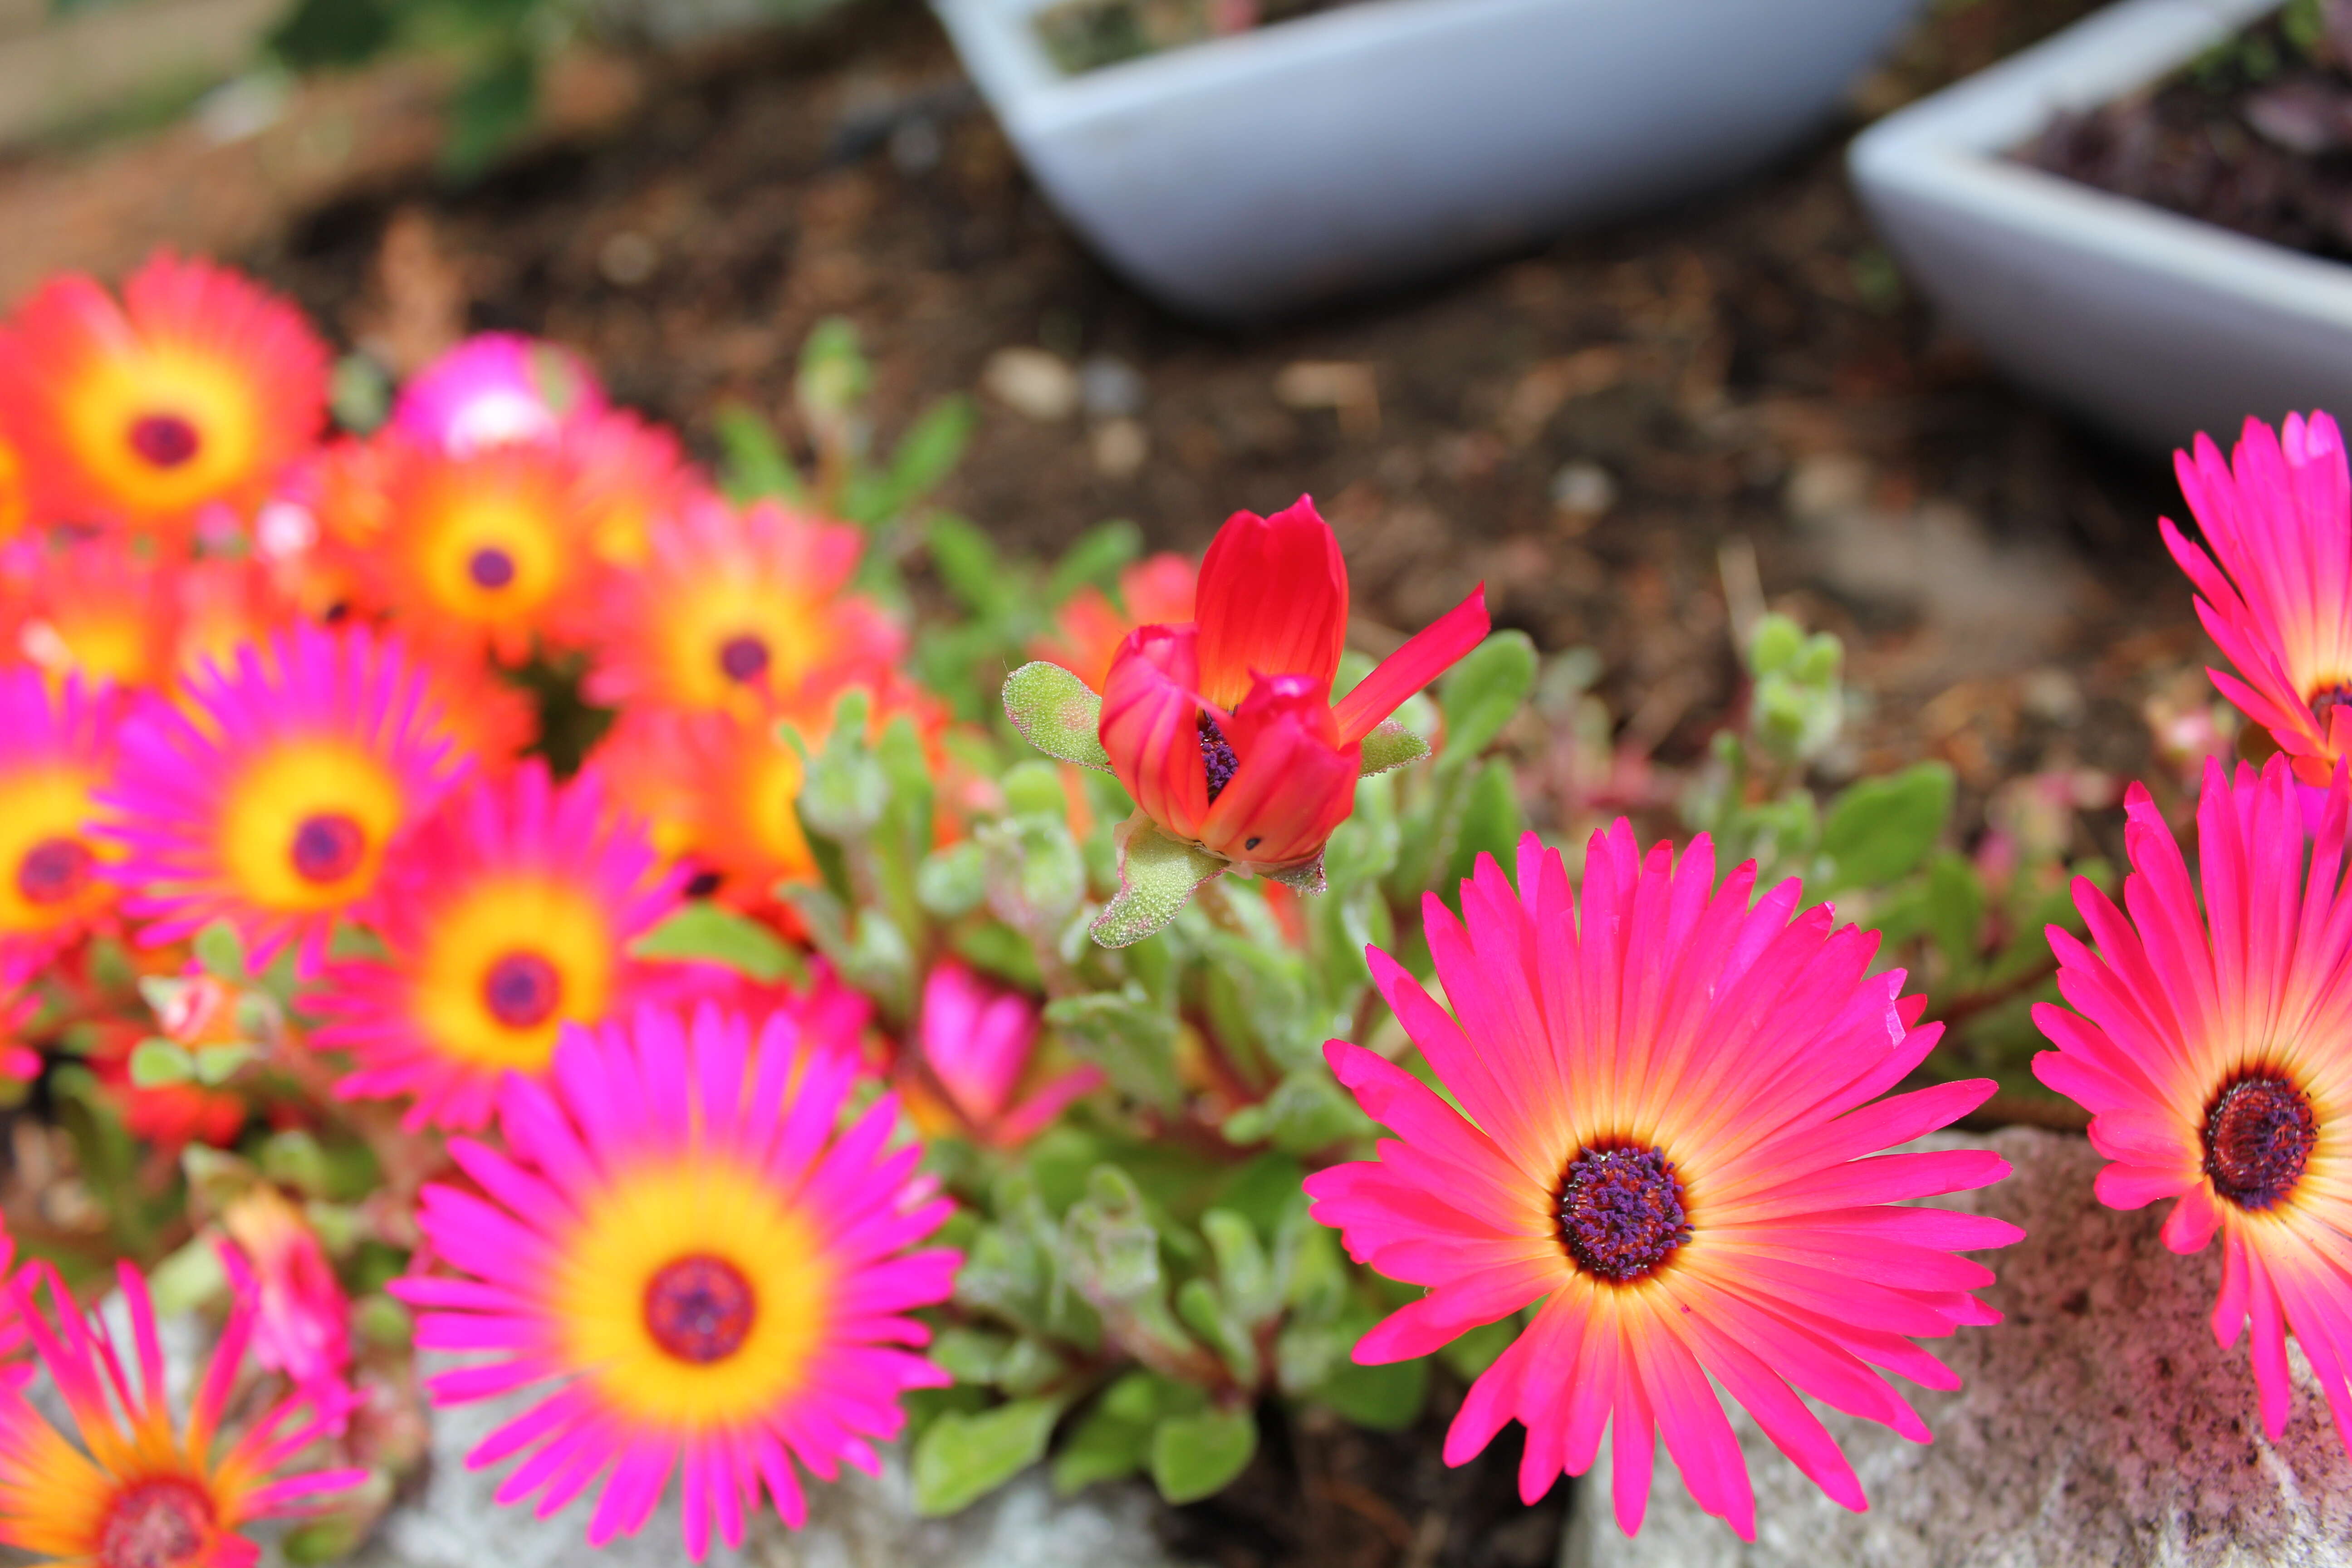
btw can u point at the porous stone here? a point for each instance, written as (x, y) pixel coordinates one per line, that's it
(861, 1521)
(2099, 1425)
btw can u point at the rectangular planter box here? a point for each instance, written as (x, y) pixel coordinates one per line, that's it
(1387, 140)
(2152, 324)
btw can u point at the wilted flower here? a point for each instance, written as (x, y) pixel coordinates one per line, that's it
(977, 1041)
(1665, 1088)
(193, 393)
(2210, 1047)
(710, 1274)
(302, 1319)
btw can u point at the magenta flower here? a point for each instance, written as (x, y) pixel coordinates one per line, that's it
(2213, 1049)
(1668, 1090)
(978, 1040)
(2279, 516)
(302, 1319)
(709, 1272)
(496, 389)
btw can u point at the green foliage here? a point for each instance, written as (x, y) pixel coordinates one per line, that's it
(962, 1457)
(709, 933)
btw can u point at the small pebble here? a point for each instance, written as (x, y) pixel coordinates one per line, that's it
(1111, 388)
(627, 259)
(1120, 446)
(1584, 489)
(916, 146)
(1034, 383)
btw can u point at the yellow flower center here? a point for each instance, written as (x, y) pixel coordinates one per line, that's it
(695, 1292)
(49, 870)
(305, 825)
(506, 964)
(165, 427)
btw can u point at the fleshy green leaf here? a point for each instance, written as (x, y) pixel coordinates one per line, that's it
(1126, 1034)
(706, 933)
(962, 1457)
(1480, 694)
(216, 1065)
(1883, 828)
(1103, 1447)
(754, 464)
(1057, 713)
(1195, 1457)
(1307, 877)
(221, 951)
(156, 1061)
(1390, 745)
(1097, 554)
(952, 881)
(1157, 877)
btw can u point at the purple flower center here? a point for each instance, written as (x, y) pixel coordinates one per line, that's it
(522, 990)
(2326, 699)
(155, 1524)
(743, 656)
(165, 440)
(54, 870)
(1217, 757)
(490, 567)
(1620, 1212)
(700, 1309)
(2258, 1136)
(328, 847)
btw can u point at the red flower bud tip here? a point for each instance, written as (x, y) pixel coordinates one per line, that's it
(1224, 730)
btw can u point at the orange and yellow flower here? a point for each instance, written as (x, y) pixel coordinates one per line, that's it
(191, 393)
(734, 608)
(138, 1492)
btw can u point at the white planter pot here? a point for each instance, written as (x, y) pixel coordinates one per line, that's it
(2153, 324)
(1381, 141)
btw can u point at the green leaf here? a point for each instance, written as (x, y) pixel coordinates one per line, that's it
(215, 1065)
(156, 1061)
(754, 463)
(1386, 1398)
(1491, 822)
(1101, 1447)
(1157, 877)
(970, 1355)
(967, 562)
(1057, 713)
(328, 32)
(1392, 745)
(926, 455)
(1468, 1357)
(705, 933)
(1131, 1037)
(1098, 553)
(1480, 694)
(1956, 907)
(963, 1457)
(221, 951)
(1881, 828)
(1195, 1457)
(952, 881)
(491, 110)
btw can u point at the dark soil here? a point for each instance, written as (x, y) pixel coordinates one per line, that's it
(1086, 35)
(1322, 1494)
(2256, 136)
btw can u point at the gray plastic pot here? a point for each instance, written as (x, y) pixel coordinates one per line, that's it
(1386, 140)
(2152, 324)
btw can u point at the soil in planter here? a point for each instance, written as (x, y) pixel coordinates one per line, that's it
(1086, 35)
(2255, 136)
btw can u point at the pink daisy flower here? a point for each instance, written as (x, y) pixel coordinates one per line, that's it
(2213, 1049)
(137, 1492)
(301, 1317)
(716, 1281)
(507, 916)
(268, 796)
(497, 389)
(2279, 517)
(56, 748)
(1667, 1088)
